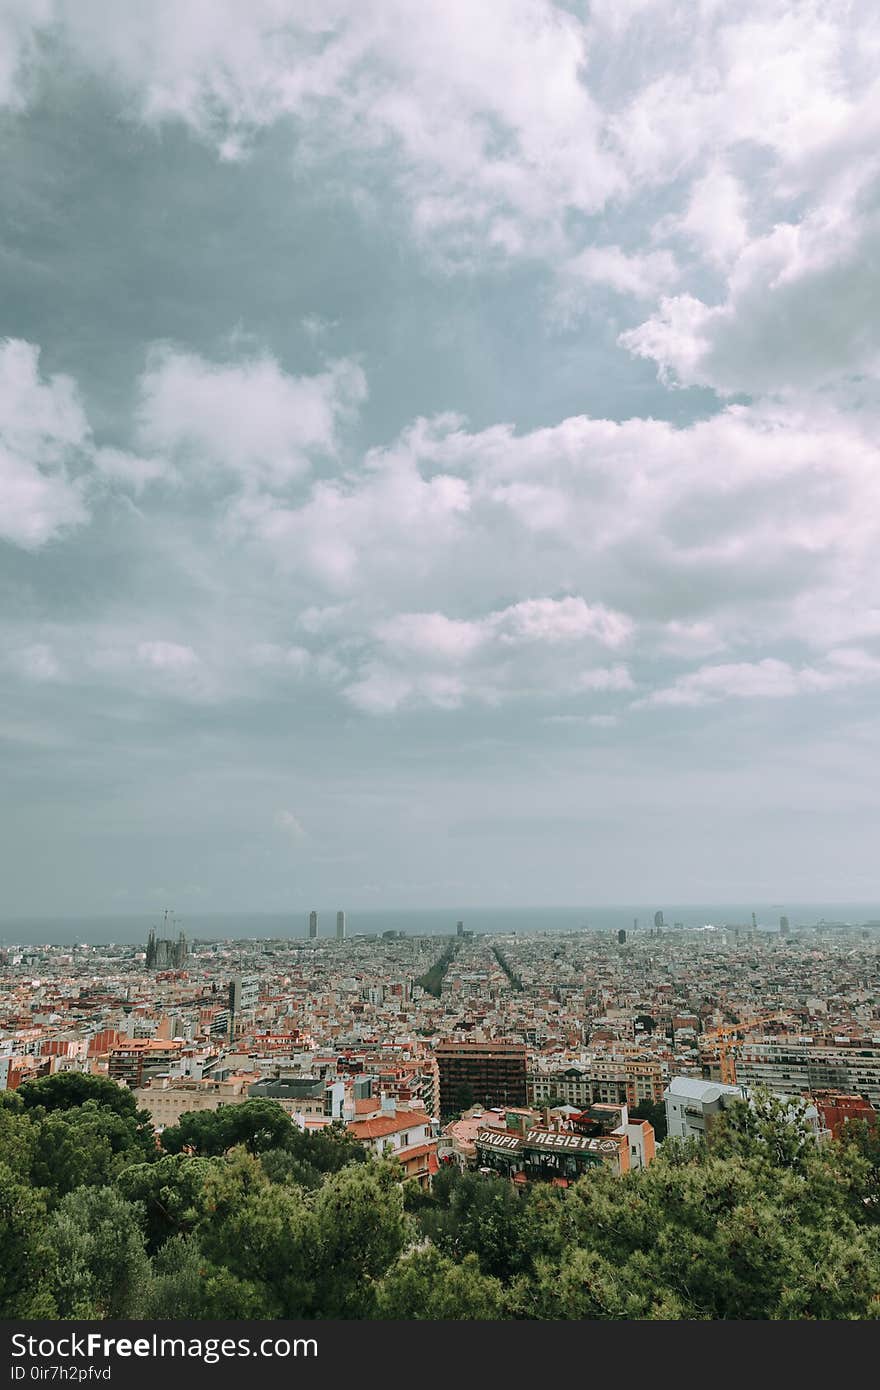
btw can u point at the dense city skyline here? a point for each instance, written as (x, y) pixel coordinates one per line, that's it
(397, 1126)
(437, 463)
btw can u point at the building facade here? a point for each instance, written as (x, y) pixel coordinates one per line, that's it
(481, 1073)
(791, 1067)
(691, 1105)
(611, 1080)
(543, 1155)
(405, 1133)
(134, 1060)
(167, 1099)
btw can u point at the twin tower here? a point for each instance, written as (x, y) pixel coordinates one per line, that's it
(340, 926)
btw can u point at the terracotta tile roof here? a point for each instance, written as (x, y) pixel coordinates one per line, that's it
(388, 1124)
(417, 1151)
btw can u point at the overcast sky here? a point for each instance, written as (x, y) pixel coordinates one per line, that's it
(439, 452)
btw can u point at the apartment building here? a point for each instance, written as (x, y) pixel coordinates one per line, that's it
(608, 1079)
(790, 1066)
(482, 1073)
(298, 1095)
(408, 1079)
(836, 1110)
(569, 1086)
(691, 1105)
(133, 1060)
(405, 1133)
(166, 1099)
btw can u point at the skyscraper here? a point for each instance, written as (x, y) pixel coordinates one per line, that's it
(340, 926)
(313, 925)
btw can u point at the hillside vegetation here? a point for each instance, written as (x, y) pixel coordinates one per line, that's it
(240, 1215)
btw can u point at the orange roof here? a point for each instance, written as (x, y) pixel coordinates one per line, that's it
(388, 1124)
(417, 1151)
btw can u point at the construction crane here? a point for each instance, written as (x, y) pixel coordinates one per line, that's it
(727, 1036)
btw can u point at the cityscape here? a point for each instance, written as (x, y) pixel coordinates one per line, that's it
(525, 1060)
(524, 1063)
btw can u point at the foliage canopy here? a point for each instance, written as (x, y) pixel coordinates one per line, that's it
(239, 1214)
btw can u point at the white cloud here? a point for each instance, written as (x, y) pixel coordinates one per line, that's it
(248, 418)
(769, 679)
(419, 576)
(291, 826)
(640, 275)
(747, 501)
(20, 26)
(482, 118)
(381, 691)
(605, 678)
(166, 656)
(553, 621)
(35, 506)
(774, 146)
(36, 662)
(532, 130)
(719, 167)
(561, 620)
(432, 636)
(533, 648)
(43, 433)
(751, 529)
(131, 471)
(715, 217)
(780, 75)
(798, 313)
(676, 337)
(503, 118)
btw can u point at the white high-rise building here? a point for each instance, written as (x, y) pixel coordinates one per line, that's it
(340, 926)
(313, 925)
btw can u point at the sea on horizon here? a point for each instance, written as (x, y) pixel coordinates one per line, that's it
(130, 929)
